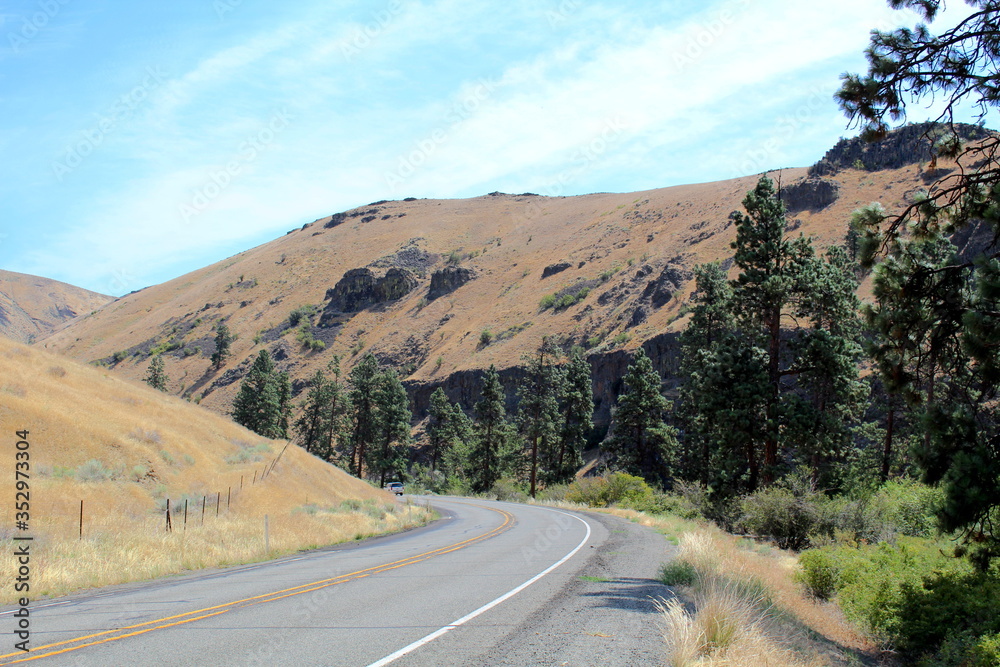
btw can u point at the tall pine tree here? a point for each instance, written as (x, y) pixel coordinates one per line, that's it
(642, 443)
(577, 407)
(261, 404)
(393, 426)
(539, 394)
(494, 446)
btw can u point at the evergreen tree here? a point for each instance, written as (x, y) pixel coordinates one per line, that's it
(447, 427)
(494, 445)
(364, 414)
(711, 323)
(578, 418)
(258, 404)
(311, 426)
(539, 394)
(223, 341)
(393, 426)
(769, 361)
(642, 443)
(952, 386)
(156, 375)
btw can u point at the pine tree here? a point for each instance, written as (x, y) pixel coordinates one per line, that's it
(578, 418)
(711, 323)
(258, 404)
(156, 375)
(223, 341)
(446, 426)
(956, 386)
(494, 445)
(393, 426)
(311, 426)
(364, 415)
(539, 394)
(770, 360)
(642, 443)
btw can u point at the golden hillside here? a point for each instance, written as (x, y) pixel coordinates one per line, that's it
(124, 449)
(418, 282)
(32, 307)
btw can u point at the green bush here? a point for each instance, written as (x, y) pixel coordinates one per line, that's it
(485, 337)
(782, 515)
(677, 573)
(616, 489)
(508, 490)
(819, 573)
(548, 301)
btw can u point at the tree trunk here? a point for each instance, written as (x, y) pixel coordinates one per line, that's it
(773, 380)
(887, 447)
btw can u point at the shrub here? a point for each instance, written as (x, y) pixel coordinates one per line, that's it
(485, 337)
(616, 489)
(93, 471)
(781, 515)
(548, 301)
(819, 573)
(677, 573)
(139, 472)
(300, 314)
(508, 490)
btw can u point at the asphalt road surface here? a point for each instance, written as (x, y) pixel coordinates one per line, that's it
(489, 584)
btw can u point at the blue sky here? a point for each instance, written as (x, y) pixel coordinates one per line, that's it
(145, 140)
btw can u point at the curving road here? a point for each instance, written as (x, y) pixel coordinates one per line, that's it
(489, 584)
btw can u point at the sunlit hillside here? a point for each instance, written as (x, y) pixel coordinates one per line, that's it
(124, 449)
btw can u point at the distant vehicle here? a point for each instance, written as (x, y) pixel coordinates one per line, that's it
(395, 487)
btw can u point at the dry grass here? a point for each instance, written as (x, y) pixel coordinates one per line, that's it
(125, 449)
(744, 606)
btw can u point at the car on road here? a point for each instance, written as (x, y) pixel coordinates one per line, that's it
(395, 487)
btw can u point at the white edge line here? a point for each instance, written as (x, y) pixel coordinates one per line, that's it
(489, 605)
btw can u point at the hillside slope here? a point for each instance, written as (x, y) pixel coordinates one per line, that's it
(441, 289)
(32, 307)
(124, 450)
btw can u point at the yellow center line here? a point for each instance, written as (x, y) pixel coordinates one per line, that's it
(208, 612)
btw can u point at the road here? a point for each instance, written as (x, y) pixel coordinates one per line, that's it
(489, 584)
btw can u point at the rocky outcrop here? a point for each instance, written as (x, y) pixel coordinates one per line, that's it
(447, 280)
(553, 269)
(812, 194)
(910, 144)
(361, 288)
(661, 289)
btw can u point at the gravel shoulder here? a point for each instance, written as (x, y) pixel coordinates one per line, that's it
(604, 613)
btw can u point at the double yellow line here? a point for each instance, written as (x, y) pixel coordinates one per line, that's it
(197, 615)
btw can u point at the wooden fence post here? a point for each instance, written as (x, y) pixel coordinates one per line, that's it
(81, 519)
(170, 528)
(185, 514)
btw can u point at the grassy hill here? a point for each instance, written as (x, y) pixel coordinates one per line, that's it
(442, 288)
(125, 449)
(32, 307)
